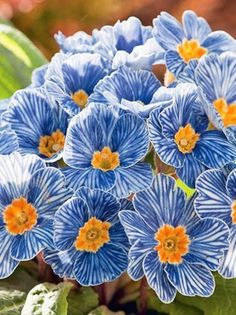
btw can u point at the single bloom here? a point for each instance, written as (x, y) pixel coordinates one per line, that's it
(217, 199)
(70, 79)
(170, 245)
(39, 123)
(216, 75)
(91, 245)
(180, 136)
(30, 194)
(191, 40)
(104, 149)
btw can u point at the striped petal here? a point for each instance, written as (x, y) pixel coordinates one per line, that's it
(231, 184)
(219, 41)
(68, 219)
(228, 263)
(90, 177)
(212, 199)
(8, 142)
(209, 238)
(174, 63)
(191, 280)
(105, 265)
(157, 278)
(132, 179)
(118, 236)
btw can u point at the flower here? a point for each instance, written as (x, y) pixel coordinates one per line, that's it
(192, 40)
(216, 76)
(216, 199)
(80, 42)
(30, 194)
(180, 137)
(71, 79)
(135, 90)
(170, 245)
(8, 142)
(104, 148)
(39, 124)
(91, 245)
(38, 76)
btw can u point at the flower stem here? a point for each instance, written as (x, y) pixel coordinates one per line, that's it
(143, 297)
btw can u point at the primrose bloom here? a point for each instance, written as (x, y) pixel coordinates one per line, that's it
(192, 40)
(180, 136)
(90, 241)
(216, 198)
(216, 75)
(170, 245)
(104, 147)
(30, 194)
(39, 124)
(71, 79)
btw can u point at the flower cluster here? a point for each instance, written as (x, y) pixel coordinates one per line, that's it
(80, 150)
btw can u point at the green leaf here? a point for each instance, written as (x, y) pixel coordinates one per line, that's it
(11, 302)
(47, 299)
(82, 302)
(103, 310)
(189, 191)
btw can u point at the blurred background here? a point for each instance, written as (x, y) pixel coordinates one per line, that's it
(40, 19)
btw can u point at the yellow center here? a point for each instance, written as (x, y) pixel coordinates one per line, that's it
(105, 160)
(226, 111)
(173, 244)
(93, 235)
(191, 49)
(80, 98)
(50, 145)
(20, 216)
(186, 139)
(233, 212)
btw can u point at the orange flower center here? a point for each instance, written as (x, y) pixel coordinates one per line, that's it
(233, 211)
(105, 160)
(227, 111)
(50, 145)
(80, 98)
(186, 139)
(20, 216)
(173, 243)
(93, 235)
(191, 49)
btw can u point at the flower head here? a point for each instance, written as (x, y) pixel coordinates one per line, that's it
(30, 194)
(190, 41)
(181, 139)
(91, 245)
(104, 147)
(170, 245)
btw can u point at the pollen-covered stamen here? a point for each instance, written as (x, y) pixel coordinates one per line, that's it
(50, 145)
(186, 139)
(20, 216)
(191, 49)
(93, 235)
(173, 244)
(105, 160)
(233, 212)
(226, 111)
(80, 97)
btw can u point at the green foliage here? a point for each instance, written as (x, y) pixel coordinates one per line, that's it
(11, 301)
(82, 302)
(103, 310)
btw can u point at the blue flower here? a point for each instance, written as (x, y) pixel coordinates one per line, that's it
(180, 137)
(104, 149)
(216, 75)
(8, 142)
(135, 90)
(71, 79)
(38, 76)
(170, 245)
(191, 40)
(216, 199)
(91, 245)
(30, 194)
(80, 42)
(39, 124)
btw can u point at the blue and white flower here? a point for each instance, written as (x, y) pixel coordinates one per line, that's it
(104, 149)
(217, 199)
(40, 125)
(91, 245)
(192, 40)
(180, 137)
(170, 245)
(30, 194)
